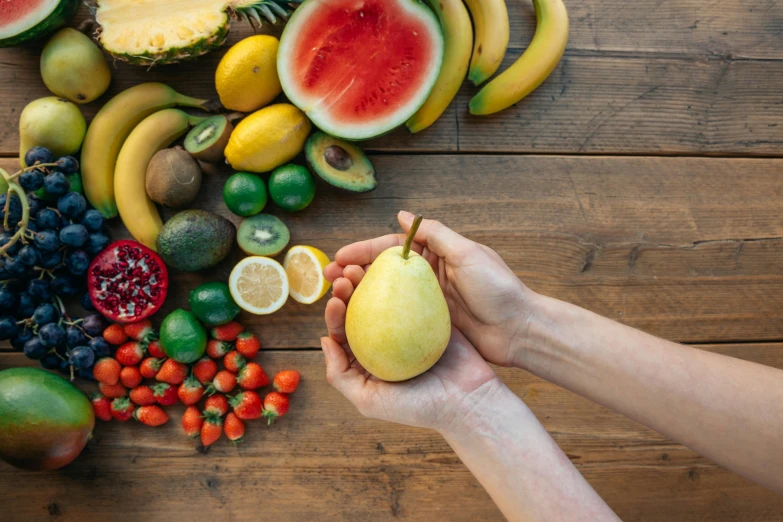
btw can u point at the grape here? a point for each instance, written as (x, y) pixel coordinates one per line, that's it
(72, 204)
(51, 361)
(56, 183)
(35, 204)
(100, 347)
(93, 220)
(27, 305)
(47, 240)
(85, 373)
(22, 336)
(81, 357)
(52, 335)
(3, 270)
(93, 325)
(7, 298)
(47, 219)
(4, 239)
(50, 260)
(40, 290)
(45, 314)
(35, 349)
(67, 164)
(32, 180)
(38, 155)
(96, 243)
(87, 303)
(8, 328)
(28, 255)
(74, 336)
(77, 261)
(17, 269)
(14, 208)
(64, 284)
(74, 235)
(31, 226)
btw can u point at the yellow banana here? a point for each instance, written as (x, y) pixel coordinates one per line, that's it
(154, 133)
(455, 21)
(108, 131)
(490, 20)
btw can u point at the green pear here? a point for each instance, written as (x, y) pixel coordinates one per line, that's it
(397, 321)
(73, 67)
(54, 123)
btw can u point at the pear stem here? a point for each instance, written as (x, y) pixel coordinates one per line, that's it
(406, 249)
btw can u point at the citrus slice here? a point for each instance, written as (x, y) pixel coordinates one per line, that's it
(259, 285)
(305, 268)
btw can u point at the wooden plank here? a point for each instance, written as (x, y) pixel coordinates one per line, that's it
(325, 462)
(688, 249)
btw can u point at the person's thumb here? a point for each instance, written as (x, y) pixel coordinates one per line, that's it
(437, 237)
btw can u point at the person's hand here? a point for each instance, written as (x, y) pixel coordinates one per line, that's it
(487, 302)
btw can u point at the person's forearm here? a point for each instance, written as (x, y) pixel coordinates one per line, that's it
(524, 471)
(729, 410)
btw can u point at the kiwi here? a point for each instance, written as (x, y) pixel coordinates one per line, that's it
(173, 178)
(207, 140)
(263, 235)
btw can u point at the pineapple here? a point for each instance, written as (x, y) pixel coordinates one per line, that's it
(152, 32)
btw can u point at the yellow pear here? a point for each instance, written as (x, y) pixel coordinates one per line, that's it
(397, 321)
(73, 67)
(51, 122)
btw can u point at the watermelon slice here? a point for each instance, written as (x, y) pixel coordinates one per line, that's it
(23, 20)
(360, 68)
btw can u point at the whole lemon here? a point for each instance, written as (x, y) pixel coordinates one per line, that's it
(268, 138)
(246, 78)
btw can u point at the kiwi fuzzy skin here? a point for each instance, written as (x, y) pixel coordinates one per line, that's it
(215, 146)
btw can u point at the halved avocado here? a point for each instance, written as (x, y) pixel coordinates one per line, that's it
(340, 163)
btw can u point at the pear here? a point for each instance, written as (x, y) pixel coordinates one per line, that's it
(73, 67)
(51, 122)
(397, 322)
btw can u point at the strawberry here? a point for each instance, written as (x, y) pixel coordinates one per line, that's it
(275, 405)
(234, 428)
(223, 382)
(233, 361)
(192, 422)
(114, 334)
(122, 409)
(107, 371)
(150, 367)
(286, 381)
(156, 350)
(172, 372)
(141, 331)
(252, 377)
(190, 391)
(130, 377)
(165, 394)
(101, 405)
(248, 345)
(216, 405)
(113, 391)
(130, 353)
(143, 396)
(227, 332)
(211, 430)
(217, 349)
(151, 415)
(247, 405)
(205, 369)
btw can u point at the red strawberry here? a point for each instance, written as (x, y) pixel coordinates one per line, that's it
(234, 428)
(190, 391)
(141, 331)
(223, 382)
(233, 361)
(247, 405)
(216, 405)
(211, 430)
(205, 369)
(150, 367)
(286, 381)
(248, 345)
(151, 415)
(122, 409)
(130, 353)
(275, 405)
(165, 394)
(101, 405)
(192, 422)
(143, 396)
(107, 371)
(217, 349)
(252, 377)
(114, 334)
(227, 332)
(156, 350)
(172, 372)
(130, 377)
(113, 391)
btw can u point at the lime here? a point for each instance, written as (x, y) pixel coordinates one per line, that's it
(183, 338)
(244, 194)
(291, 187)
(212, 303)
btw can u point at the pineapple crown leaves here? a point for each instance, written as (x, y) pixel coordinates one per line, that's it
(252, 10)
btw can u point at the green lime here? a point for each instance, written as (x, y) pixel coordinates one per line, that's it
(291, 187)
(212, 303)
(183, 338)
(244, 194)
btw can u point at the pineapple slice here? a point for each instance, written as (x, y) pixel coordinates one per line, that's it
(151, 32)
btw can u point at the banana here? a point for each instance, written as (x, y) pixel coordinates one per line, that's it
(455, 21)
(533, 67)
(155, 132)
(490, 19)
(109, 129)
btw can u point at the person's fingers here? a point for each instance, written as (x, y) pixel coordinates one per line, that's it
(365, 252)
(342, 289)
(437, 237)
(335, 319)
(354, 274)
(333, 271)
(346, 379)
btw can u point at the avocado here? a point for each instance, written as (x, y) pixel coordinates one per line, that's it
(195, 239)
(340, 163)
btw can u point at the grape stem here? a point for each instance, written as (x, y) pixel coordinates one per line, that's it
(13, 186)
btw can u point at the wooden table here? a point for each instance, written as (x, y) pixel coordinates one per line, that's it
(641, 181)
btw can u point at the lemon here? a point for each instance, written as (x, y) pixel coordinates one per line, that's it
(304, 266)
(246, 78)
(268, 138)
(259, 285)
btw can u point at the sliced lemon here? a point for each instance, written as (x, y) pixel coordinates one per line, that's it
(259, 285)
(304, 266)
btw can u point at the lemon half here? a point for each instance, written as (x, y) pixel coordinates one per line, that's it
(304, 266)
(259, 285)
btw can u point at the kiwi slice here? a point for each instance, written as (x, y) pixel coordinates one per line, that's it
(339, 163)
(207, 140)
(263, 235)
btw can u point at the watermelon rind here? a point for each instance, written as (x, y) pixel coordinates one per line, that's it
(368, 129)
(39, 23)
